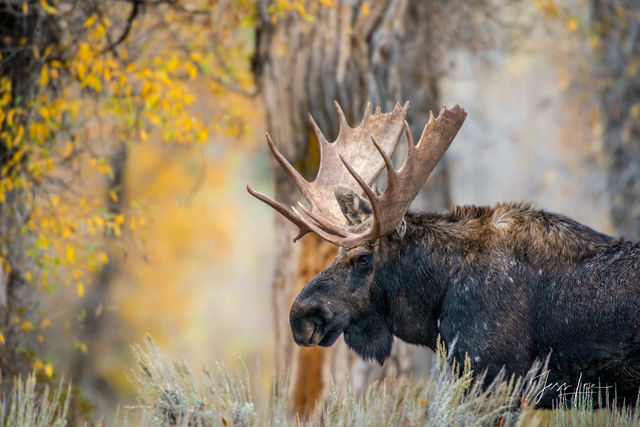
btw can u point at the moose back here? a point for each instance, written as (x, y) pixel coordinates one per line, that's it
(508, 284)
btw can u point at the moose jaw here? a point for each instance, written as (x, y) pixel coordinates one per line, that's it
(509, 284)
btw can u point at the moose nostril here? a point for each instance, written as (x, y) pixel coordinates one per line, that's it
(316, 320)
(304, 331)
(308, 320)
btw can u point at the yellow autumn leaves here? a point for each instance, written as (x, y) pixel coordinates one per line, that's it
(57, 139)
(91, 98)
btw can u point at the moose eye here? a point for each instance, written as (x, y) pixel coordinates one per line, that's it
(363, 260)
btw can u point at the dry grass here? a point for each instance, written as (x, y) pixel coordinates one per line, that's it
(28, 406)
(170, 394)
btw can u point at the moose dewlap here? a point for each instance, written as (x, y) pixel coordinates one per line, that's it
(508, 285)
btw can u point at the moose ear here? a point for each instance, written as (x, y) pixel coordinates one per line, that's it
(354, 208)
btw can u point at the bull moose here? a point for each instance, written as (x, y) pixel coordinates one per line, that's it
(509, 284)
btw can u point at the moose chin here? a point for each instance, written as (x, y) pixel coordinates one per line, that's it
(509, 284)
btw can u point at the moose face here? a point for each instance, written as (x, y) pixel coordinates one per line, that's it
(346, 297)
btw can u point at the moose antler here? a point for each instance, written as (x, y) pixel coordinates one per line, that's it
(361, 166)
(352, 144)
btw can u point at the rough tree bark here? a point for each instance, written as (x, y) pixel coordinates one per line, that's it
(352, 54)
(618, 68)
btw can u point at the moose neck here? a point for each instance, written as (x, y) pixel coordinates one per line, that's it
(417, 275)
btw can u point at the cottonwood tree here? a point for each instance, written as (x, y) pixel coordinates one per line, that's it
(22, 32)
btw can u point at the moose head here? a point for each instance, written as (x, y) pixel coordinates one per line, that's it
(350, 296)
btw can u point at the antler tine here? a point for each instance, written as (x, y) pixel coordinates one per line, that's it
(341, 116)
(436, 137)
(411, 147)
(392, 176)
(302, 183)
(366, 115)
(365, 187)
(319, 221)
(345, 238)
(291, 216)
(321, 138)
(367, 112)
(348, 241)
(371, 195)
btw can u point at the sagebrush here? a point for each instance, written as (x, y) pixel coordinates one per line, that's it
(170, 394)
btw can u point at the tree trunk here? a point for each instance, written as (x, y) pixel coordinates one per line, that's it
(353, 54)
(618, 67)
(91, 329)
(18, 65)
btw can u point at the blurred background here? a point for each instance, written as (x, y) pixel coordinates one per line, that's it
(129, 129)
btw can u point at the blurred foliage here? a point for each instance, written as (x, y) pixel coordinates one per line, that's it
(109, 75)
(595, 44)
